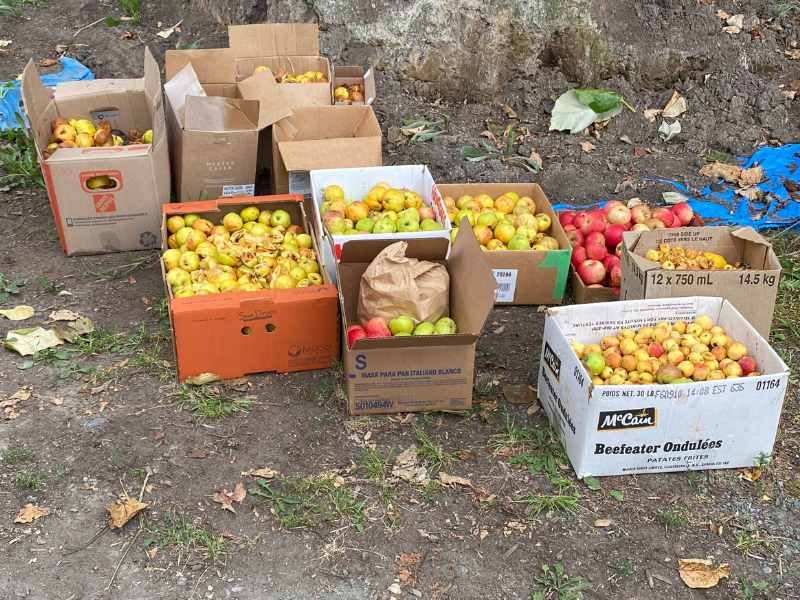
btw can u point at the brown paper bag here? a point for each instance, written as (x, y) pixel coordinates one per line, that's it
(394, 284)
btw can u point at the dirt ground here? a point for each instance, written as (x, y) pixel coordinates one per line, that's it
(106, 416)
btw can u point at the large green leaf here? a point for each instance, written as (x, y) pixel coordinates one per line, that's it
(573, 115)
(599, 101)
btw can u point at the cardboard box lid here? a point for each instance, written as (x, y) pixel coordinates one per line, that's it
(212, 65)
(179, 87)
(215, 113)
(272, 105)
(274, 39)
(468, 267)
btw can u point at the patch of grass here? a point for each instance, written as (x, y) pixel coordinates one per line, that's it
(46, 285)
(672, 517)
(431, 452)
(8, 287)
(563, 502)
(14, 455)
(537, 449)
(752, 590)
(713, 156)
(783, 8)
(310, 502)
(504, 145)
(785, 329)
(122, 271)
(185, 536)
(626, 568)
(210, 402)
(555, 584)
(324, 390)
(14, 7)
(18, 157)
(750, 541)
(180, 45)
(372, 464)
(28, 480)
(132, 9)
(486, 384)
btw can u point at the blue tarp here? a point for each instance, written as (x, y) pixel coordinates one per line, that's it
(11, 100)
(718, 204)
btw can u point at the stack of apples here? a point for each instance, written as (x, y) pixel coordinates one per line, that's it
(401, 325)
(669, 352)
(83, 133)
(507, 222)
(596, 236)
(248, 251)
(383, 209)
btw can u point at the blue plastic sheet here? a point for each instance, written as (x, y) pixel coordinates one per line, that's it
(11, 100)
(718, 204)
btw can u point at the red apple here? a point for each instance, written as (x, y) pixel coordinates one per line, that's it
(584, 222)
(613, 235)
(574, 235)
(611, 204)
(355, 333)
(596, 246)
(599, 219)
(615, 276)
(664, 215)
(376, 328)
(566, 217)
(619, 215)
(615, 292)
(748, 364)
(591, 272)
(655, 349)
(641, 213)
(611, 261)
(684, 212)
(578, 255)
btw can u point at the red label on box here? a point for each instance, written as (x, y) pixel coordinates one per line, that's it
(104, 203)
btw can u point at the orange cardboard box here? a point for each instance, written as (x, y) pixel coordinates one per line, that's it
(232, 334)
(124, 215)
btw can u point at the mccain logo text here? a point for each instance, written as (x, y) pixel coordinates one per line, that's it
(612, 420)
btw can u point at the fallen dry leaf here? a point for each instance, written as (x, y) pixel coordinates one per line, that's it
(151, 552)
(446, 479)
(197, 453)
(510, 112)
(63, 314)
(651, 113)
(729, 173)
(20, 395)
(29, 341)
(123, 510)
(226, 498)
(698, 573)
(18, 313)
(587, 147)
(675, 107)
(30, 512)
(263, 473)
(735, 20)
(48, 62)
(751, 176)
(511, 526)
(732, 29)
(127, 35)
(602, 522)
(753, 474)
(793, 54)
(723, 15)
(5, 43)
(407, 567)
(753, 194)
(56, 401)
(519, 394)
(407, 467)
(535, 159)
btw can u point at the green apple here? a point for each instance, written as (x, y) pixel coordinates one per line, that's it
(409, 213)
(407, 223)
(425, 328)
(365, 225)
(401, 324)
(249, 214)
(487, 218)
(445, 326)
(384, 226)
(402, 333)
(429, 225)
(280, 217)
(303, 240)
(595, 362)
(465, 213)
(453, 234)
(519, 242)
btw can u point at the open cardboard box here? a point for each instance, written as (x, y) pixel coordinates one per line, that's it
(416, 373)
(585, 294)
(632, 429)
(356, 183)
(323, 137)
(216, 123)
(349, 75)
(126, 216)
(289, 47)
(233, 334)
(524, 276)
(753, 291)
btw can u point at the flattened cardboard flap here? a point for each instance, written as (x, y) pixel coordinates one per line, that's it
(263, 87)
(363, 251)
(213, 65)
(214, 113)
(274, 39)
(178, 88)
(152, 76)
(309, 155)
(751, 235)
(35, 98)
(470, 271)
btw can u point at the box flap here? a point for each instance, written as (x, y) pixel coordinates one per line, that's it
(750, 235)
(364, 251)
(152, 76)
(184, 84)
(274, 39)
(472, 283)
(423, 342)
(213, 65)
(369, 87)
(36, 98)
(272, 105)
(214, 113)
(333, 153)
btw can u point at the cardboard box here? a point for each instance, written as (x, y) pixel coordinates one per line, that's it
(323, 137)
(583, 294)
(215, 123)
(524, 276)
(289, 47)
(348, 75)
(127, 216)
(356, 183)
(631, 429)
(237, 333)
(752, 291)
(416, 373)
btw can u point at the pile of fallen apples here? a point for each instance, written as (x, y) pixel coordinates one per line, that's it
(596, 236)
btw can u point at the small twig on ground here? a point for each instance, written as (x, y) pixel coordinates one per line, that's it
(92, 24)
(87, 544)
(124, 556)
(144, 485)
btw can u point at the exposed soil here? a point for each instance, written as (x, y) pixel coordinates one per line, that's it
(99, 420)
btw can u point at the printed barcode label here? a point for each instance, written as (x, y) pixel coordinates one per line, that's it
(248, 189)
(506, 284)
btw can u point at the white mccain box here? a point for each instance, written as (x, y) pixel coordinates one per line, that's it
(628, 429)
(356, 182)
